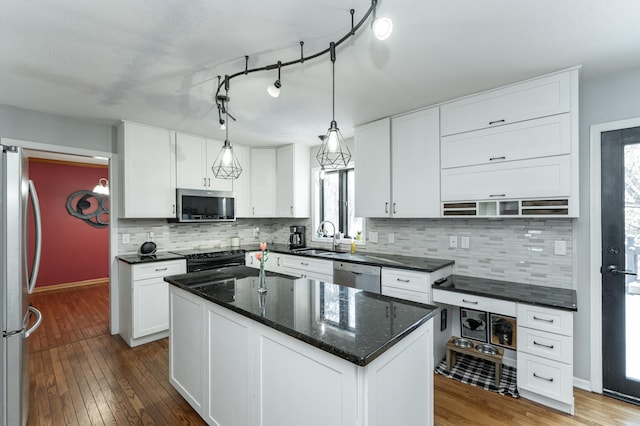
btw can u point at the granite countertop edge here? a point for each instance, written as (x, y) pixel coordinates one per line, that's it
(357, 360)
(134, 259)
(529, 299)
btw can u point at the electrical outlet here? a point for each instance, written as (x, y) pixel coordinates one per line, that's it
(125, 238)
(464, 242)
(373, 237)
(256, 232)
(391, 238)
(453, 241)
(150, 235)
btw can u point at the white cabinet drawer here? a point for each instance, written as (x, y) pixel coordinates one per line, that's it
(413, 296)
(404, 279)
(537, 178)
(530, 139)
(548, 345)
(545, 377)
(524, 101)
(308, 264)
(479, 303)
(159, 269)
(546, 319)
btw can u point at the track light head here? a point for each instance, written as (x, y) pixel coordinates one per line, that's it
(382, 27)
(274, 89)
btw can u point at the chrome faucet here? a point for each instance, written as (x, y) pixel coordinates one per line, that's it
(320, 229)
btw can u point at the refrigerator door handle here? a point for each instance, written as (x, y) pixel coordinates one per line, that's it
(35, 203)
(35, 326)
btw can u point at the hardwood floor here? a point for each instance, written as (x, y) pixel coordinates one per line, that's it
(81, 375)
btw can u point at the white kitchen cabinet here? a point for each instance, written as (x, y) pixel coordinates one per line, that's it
(144, 300)
(410, 285)
(373, 169)
(540, 97)
(263, 182)
(479, 303)
(228, 374)
(194, 157)
(397, 166)
(546, 177)
(242, 185)
(147, 171)
(307, 267)
(545, 356)
(293, 181)
(520, 141)
(187, 345)
(273, 264)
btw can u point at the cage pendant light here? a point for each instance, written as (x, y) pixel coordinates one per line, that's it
(333, 152)
(226, 165)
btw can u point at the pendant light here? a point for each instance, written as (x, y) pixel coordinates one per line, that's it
(226, 165)
(333, 152)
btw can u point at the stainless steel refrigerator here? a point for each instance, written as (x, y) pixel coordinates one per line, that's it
(17, 280)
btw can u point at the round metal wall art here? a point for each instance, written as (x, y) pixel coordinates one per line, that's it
(89, 207)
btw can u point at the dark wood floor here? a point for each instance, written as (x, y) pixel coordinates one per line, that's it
(81, 375)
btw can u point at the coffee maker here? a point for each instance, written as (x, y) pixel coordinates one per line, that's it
(296, 239)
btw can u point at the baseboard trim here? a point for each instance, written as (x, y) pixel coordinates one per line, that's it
(95, 281)
(582, 384)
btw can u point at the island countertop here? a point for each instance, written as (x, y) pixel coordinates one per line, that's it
(352, 324)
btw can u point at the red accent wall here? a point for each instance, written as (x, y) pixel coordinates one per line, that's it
(72, 250)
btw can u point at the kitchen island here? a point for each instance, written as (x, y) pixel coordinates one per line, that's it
(305, 352)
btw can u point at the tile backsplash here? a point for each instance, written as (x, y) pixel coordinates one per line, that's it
(520, 250)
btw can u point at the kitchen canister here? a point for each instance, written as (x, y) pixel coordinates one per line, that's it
(235, 242)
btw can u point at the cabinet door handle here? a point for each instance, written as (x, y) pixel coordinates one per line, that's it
(161, 269)
(386, 207)
(173, 208)
(497, 158)
(543, 319)
(548, 379)
(395, 312)
(543, 345)
(291, 209)
(304, 263)
(204, 181)
(491, 123)
(278, 261)
(386, 311)
(402, 281)
(497, 195)
(253, 211)
(470, 301)
(208, 181)
(394, 208)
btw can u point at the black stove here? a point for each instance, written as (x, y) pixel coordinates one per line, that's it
(206, 259)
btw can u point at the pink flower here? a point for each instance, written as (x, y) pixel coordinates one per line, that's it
(259, 255)
(263, 246)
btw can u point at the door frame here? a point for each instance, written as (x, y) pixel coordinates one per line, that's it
(595, 244)
(114, 316)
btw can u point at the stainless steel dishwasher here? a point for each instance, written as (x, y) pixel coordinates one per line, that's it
(364, 277)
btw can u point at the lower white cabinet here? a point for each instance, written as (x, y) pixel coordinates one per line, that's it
(410, 285)
(144, 300)
(545, 356)
(306, 267)
(237, 372)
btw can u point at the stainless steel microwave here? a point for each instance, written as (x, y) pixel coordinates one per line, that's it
(205, 206)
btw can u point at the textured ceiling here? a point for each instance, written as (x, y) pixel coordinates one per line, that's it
(156, 62)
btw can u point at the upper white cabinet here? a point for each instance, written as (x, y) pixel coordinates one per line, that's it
(263, 182)
(512, 151)
(194, 157)
(536, 98)
(398, 166)
(147, 171)
(373, 169)
(242, 185)
(293, 181)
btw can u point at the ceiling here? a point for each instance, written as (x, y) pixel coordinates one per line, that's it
(156, 62)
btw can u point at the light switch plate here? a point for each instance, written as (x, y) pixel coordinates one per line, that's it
(125, 238)
(373, 236)
(560, 248)
(391, 238)
(464, 242)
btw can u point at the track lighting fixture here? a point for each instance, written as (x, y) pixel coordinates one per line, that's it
(382, 28)
(226, 164)
(274, 89)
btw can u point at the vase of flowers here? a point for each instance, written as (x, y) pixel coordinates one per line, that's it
(262, 257)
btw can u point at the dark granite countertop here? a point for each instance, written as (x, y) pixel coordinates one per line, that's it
(352, 324)
(422, 264)
(551, 297)
(158, 257)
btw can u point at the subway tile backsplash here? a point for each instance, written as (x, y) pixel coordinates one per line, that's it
(520, 250)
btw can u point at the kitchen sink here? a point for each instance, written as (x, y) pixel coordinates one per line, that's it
(313, 251)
